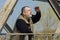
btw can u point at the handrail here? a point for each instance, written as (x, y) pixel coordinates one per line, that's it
(27, 33)
(36, 35)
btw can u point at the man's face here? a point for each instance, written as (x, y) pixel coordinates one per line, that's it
(27, 12)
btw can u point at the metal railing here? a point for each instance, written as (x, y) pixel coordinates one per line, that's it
(37, 36)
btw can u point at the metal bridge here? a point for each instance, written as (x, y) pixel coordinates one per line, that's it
(8, 9)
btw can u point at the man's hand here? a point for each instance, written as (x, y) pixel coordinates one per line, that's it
(37, 8)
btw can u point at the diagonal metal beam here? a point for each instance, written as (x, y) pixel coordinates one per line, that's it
(55, 7)
(7, 28)
(6, 10)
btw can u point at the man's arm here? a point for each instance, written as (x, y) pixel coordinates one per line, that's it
(36, 18)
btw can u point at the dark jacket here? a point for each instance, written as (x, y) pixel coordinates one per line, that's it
(23, 27)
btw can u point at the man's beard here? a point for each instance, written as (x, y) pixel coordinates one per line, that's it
(29, 16)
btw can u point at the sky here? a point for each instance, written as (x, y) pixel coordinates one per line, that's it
(2, 3)
(44, 6)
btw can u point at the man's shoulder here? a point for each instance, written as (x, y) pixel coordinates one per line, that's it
(20, 20)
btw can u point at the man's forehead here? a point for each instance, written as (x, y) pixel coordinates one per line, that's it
(27, 8)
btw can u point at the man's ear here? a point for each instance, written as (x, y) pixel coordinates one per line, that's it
(23, 13)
